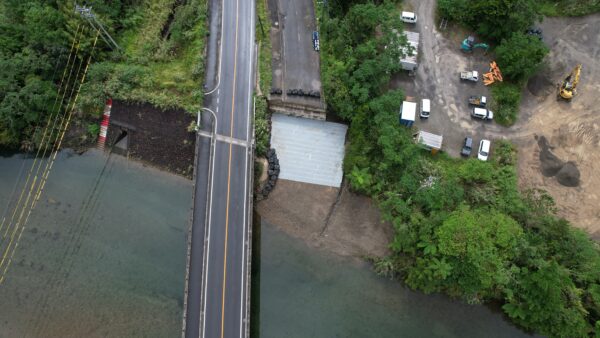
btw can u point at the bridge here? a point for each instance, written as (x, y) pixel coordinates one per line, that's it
(217, 291)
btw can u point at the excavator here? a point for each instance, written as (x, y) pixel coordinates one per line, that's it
(568, 88)
(468, 45)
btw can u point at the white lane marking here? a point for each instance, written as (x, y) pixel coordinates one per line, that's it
(248, 139)
(220, 50)
(225, 138)
(207, 231)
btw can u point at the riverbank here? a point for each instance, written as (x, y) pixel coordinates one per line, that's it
(336, 220)
(308, 292)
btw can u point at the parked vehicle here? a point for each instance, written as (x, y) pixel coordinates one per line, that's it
(484, 150)
(408, 111)
(425, 108)
(479, 101)
(409, 60)
(467, 147)
(315, 38)
(533, 31)
(482, 113)
(408, 17)
(470, 76)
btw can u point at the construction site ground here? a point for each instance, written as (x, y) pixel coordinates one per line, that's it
(572, 129)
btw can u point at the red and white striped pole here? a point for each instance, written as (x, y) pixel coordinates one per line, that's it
(104, 124)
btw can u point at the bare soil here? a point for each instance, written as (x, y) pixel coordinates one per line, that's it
(351, 227)
(571, 128)
(155, 136)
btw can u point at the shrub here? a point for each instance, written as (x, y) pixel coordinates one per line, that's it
(507, 97)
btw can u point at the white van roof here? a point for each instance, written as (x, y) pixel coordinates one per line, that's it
(480, 111)
(408, 15)
(426, 105)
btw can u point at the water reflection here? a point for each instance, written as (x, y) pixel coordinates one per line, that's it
(103, 254)
(309, 293)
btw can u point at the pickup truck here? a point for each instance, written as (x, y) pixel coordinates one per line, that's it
(470, 76)
(478, 101)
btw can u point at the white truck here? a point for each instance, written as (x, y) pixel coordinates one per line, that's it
(470, 76)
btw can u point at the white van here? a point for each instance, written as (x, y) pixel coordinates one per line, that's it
(484, 150)
(482, 113)
(425, 108)
(408, 17)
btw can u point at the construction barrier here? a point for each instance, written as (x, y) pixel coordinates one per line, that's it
(104, 124)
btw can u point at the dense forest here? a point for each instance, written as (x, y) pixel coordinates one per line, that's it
(160, 60)
(462, 227)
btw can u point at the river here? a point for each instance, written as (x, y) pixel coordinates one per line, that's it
(103, 255)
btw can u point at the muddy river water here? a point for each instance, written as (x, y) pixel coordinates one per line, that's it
(103, 255)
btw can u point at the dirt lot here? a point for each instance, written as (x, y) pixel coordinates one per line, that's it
(571, 129)
(352, 228)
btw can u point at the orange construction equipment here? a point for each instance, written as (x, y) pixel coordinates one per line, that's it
(493, 75)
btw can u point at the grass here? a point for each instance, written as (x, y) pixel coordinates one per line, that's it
(165, 71)
(265, 78)
(569, 7)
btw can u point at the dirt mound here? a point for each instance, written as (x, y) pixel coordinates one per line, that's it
(568, 175)
(539, 85)
(550, 163)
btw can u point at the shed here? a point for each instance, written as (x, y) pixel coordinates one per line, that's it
(430, 141)
(409, 60)
(408, 111)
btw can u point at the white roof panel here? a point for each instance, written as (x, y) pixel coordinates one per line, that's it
(430, 140)
(413, 41)
(309, 151)
(409, 110)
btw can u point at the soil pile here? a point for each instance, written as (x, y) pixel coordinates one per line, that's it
(550, 164)
(566, 174)
(539, 85)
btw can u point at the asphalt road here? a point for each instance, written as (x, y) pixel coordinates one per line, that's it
(295, 62)
(217, 286)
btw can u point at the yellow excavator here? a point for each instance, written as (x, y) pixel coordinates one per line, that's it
(568, 88)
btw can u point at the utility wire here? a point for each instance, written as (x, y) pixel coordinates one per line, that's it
(40, 188)
(46, 128)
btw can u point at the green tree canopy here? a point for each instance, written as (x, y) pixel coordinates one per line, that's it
(520, 56)
(493, 19)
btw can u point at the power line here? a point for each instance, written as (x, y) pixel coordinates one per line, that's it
(11, 249)
(86, 13)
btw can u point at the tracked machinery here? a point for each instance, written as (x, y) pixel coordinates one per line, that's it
(568, 88)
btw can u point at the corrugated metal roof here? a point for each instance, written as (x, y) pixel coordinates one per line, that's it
(430, 140)
(413, 41)
(309, 151)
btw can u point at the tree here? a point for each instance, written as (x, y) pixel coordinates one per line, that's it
(545, 299)
(478, 244)
(520, 56)
(493, 19)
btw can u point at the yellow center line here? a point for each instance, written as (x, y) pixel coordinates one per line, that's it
(229, 170)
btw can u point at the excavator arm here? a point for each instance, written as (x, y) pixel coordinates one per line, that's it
(568, 88)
